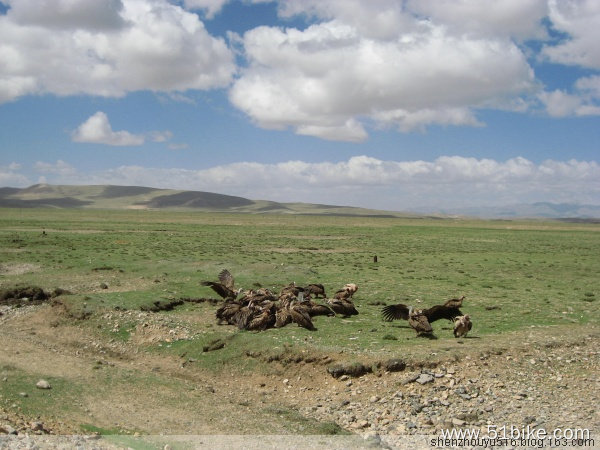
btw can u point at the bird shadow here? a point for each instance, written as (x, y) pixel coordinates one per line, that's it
(431, 337)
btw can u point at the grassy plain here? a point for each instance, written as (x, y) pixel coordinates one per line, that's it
(516, 276)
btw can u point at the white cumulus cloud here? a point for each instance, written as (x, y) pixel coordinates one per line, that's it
(381, 64)
(579, 20)
(97, 130)
(107, 48)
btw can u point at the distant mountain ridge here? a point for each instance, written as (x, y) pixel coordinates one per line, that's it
(544, 210)
(140, 197)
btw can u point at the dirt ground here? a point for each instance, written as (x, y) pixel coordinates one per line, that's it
(542, 377)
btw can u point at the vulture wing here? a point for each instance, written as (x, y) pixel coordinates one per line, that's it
(438, 312)
(226, 279)
(395, 312)
(220, 289)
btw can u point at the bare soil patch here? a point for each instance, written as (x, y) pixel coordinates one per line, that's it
(540, 377)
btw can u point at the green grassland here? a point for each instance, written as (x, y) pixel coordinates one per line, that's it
(515, 275)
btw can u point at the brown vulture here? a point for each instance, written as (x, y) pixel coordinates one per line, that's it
(291, 289)
(282, 317)
(342, 306)
(262, 319)
(227, 311)
(300, 315)
(418, 321)
(225, 286)
(346, 292)
(462, 325)
(318, 290)
(438, 312)
(312, 307)
(455, 302)
(400, 311)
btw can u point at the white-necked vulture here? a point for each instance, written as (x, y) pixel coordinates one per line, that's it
(462, 325)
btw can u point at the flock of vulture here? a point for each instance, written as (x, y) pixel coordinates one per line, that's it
(260, 309)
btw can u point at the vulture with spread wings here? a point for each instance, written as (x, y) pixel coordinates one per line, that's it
(225, 287)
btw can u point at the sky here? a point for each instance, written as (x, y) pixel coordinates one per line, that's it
(387, 104)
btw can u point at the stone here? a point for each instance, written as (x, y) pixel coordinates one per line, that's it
(43, 384)
(458, 422)
(7, 429)
(424, 378)
(37, 426)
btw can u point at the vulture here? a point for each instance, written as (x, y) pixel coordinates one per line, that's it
(342, 306)
(346, 292)
(395, 312)
(291, 289)
(312, 307)
(438, 312)
(316, 290)
(225, 286)
(227, 311)
(299, 314)
(418, 321)
(282, 317)
(462, 325)
(455, 302)
(262, 318)
(351, 287)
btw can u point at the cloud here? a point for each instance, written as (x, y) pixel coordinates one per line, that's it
(583, 101)
(520, 19)
(448, 181)
(211, 7)
(107, 48)
(382, 65)
(578, 19)
(97, 130)
(60, 168)
(10, 176)
(68, 14)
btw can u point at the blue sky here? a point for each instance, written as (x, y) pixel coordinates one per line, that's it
(387, 104)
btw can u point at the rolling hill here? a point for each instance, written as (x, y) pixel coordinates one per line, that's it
(139, 197)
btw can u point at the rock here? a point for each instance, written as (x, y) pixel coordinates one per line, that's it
(410, 378)
(37, 426)
(7, 429)
(43, 384)
(458, 422)
(374, 399)
(424, 378)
